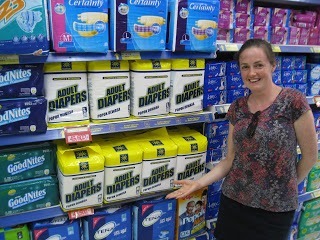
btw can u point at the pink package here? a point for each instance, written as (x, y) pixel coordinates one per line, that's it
(279, 35)
(262, 16)
(225, 35)
(243, 20)
(304, 16)
(244, 6)
(304, 36)
(280, 17)
(261, 32)
(225, 20)
(241, 35)
(314, 36)
(294, 35)
(226, 5)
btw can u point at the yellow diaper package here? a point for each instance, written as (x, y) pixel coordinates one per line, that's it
(80, 174)
(122, 170)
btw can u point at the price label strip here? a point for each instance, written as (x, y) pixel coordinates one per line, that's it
(130, 55)
(9, 59)
(80, 213)
(77, 134)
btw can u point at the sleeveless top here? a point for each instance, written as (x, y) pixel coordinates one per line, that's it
(263, 174)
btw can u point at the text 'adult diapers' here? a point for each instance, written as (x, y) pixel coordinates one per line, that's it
(57, 228)
(25, 80)
(187, 79)
(66, 91)
(79, 26)
(109, 89)
(150, 87)
(138, 25)
(154, 219)
(193, 25)
(109, 224)
(23, 115)
(122, 170)
(28, 195)
(24, 27)
(26, 162)
(81, 175)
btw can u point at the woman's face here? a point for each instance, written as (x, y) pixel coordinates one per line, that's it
(256, 69)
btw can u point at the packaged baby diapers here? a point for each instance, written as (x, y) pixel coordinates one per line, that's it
(150, 87)
(24, 27)
(23, 116)
(186, 85)
(79, 26)
(109, 90)
(67, 93)
(20, 232)
(122, 171)
(80, 174)
(21, 80)
(193, 25)
(138, 25)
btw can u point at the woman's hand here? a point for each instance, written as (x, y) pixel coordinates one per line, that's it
(187, 187)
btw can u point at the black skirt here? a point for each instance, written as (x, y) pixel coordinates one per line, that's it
(240, 222)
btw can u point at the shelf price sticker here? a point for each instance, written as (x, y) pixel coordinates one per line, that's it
(75, 214)
(130, 55)
(77, 134)
(9, 59)
(231, 47)
(316, 194)
(276, 48)
(316, 49)
(316, 100)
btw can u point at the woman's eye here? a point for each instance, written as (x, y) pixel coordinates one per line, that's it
(259, 66)
(244, 67)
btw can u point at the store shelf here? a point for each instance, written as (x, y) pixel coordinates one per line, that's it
(309, 195)
(55, 211)
(291, 2)
(113, 127)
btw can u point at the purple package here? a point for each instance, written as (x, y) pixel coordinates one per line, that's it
(262, 32)
(225, 19)
(241, 35)
(225, 35)
(24, 115)
(226, 5)
(243, 20)
(294, 35)
(21, 80)
(314, 36)
(304, 36)
(279, 35)
(262, 16)
(244, 6)
(304, 16)
(280, 17)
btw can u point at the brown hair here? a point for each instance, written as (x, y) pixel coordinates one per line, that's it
(259, 43)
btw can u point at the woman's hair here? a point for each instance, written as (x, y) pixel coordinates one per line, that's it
(259, 43)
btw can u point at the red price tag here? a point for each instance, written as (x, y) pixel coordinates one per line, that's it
(80, 213)
(77, 134)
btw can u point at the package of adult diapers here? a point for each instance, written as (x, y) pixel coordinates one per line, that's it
(27, 161)
(21, 80)
(138, 25)
(187, 80)
(192, 151)
(122, 170)
(28, 195)
(109, 90)
(79, 26)
(150, 87)
(81, 175)
(20, 232)
(24, 27)
(67, 93)
(191, 212)
(154, 219)
(57, 228)
(109, 224)
(193, 25)
(23, 116)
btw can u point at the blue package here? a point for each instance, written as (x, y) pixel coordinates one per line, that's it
(287, 62)
(215, 155)
(300, 62)
(154, 219)
(218, 142)
(109, 224)
(214, 98)
(213, 189)
(21, 80)
(215, 69)
(278, 63)
(234, 94)
(213, 204)
(216, 128)
(302, 87)
(234, 81)
(287, 76)
(232, 68)
(313, 72)
(214, 84)
(300, 76)
(56, 228)
(24, 115)
(276, 77)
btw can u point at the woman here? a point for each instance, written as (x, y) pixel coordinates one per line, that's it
(259, 193)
